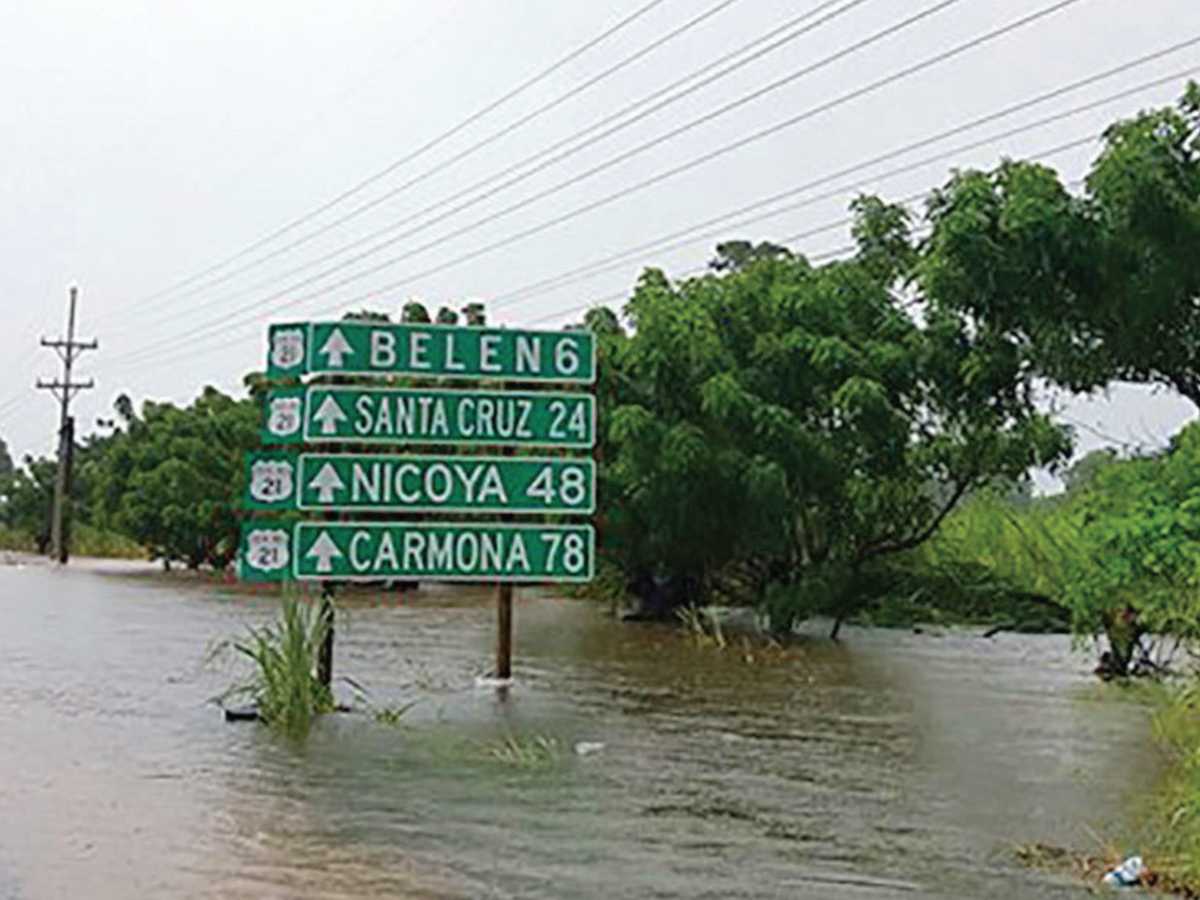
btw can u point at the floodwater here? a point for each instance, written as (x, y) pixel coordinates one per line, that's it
(892, 765)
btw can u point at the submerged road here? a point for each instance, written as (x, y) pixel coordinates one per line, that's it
(890, 766)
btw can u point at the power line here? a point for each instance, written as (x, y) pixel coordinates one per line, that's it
(457, 157)
(666, 174)
(606, 262)
(424, 148)
(686, 273)
(254, 309)
(892, 173)
(926, 161)
(843, 220)
(523, 176)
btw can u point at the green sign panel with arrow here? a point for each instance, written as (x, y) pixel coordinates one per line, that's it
(384, 348)
(374, 551)
(393, 416)
(415, 483)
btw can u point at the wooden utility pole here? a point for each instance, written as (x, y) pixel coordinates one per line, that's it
(64, 390)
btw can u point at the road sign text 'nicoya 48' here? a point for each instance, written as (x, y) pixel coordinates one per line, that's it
(373, 551)
(363, 415)
(414, 483)
(383, 348)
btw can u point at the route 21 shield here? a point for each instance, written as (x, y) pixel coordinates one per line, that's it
(267, 550)
(284, 416)
(271, 481)
(287, 348)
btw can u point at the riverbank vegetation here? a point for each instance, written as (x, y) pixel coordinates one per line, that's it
(1172, 830)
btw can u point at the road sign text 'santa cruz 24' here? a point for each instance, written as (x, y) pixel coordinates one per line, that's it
(415, 483)
(373, 551)
(382, 348)
(362, 415)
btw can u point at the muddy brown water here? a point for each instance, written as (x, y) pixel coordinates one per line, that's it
(892, 765)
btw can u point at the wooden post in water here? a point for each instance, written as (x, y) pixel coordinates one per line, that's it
(325, 654)
(504, 620)
(504, 616)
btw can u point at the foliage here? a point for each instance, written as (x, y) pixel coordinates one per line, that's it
(1092, 288)
(27, 501)
(393, 715)
(1119, 551)
(782, 423)
(88, 540)
(527, 751)
(7, 469)
(1173, 832)
(704, 625)
(173, 478)
(12, 540)
(284, 684)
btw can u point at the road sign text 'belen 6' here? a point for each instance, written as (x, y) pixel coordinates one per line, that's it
(370, 348)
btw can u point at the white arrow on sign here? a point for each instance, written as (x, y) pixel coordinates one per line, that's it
(336, 349)
(326, 483)
(325, 551)
(328, 415)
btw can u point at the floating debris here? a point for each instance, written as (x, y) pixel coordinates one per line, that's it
(1128, 874)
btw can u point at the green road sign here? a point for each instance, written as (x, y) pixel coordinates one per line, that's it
(382, 348)
(368, 551)
(429, 416)
(412, 483)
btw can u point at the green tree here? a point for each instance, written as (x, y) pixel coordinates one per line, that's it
(1090, 288)
(28, 499)
(414, 311)
(7, 469)
(785, 424)
(173, 480)
(474, 314)
(733, 255)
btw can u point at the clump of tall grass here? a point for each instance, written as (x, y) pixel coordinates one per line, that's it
(88, 540)
(1173, 842)
(534, 751)
(704, 624)
(393, 715)
(16, 541)
(283, 683)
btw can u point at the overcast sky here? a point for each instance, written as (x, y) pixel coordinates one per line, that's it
(145, 142)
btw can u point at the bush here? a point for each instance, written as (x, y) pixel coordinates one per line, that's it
(284, 684)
